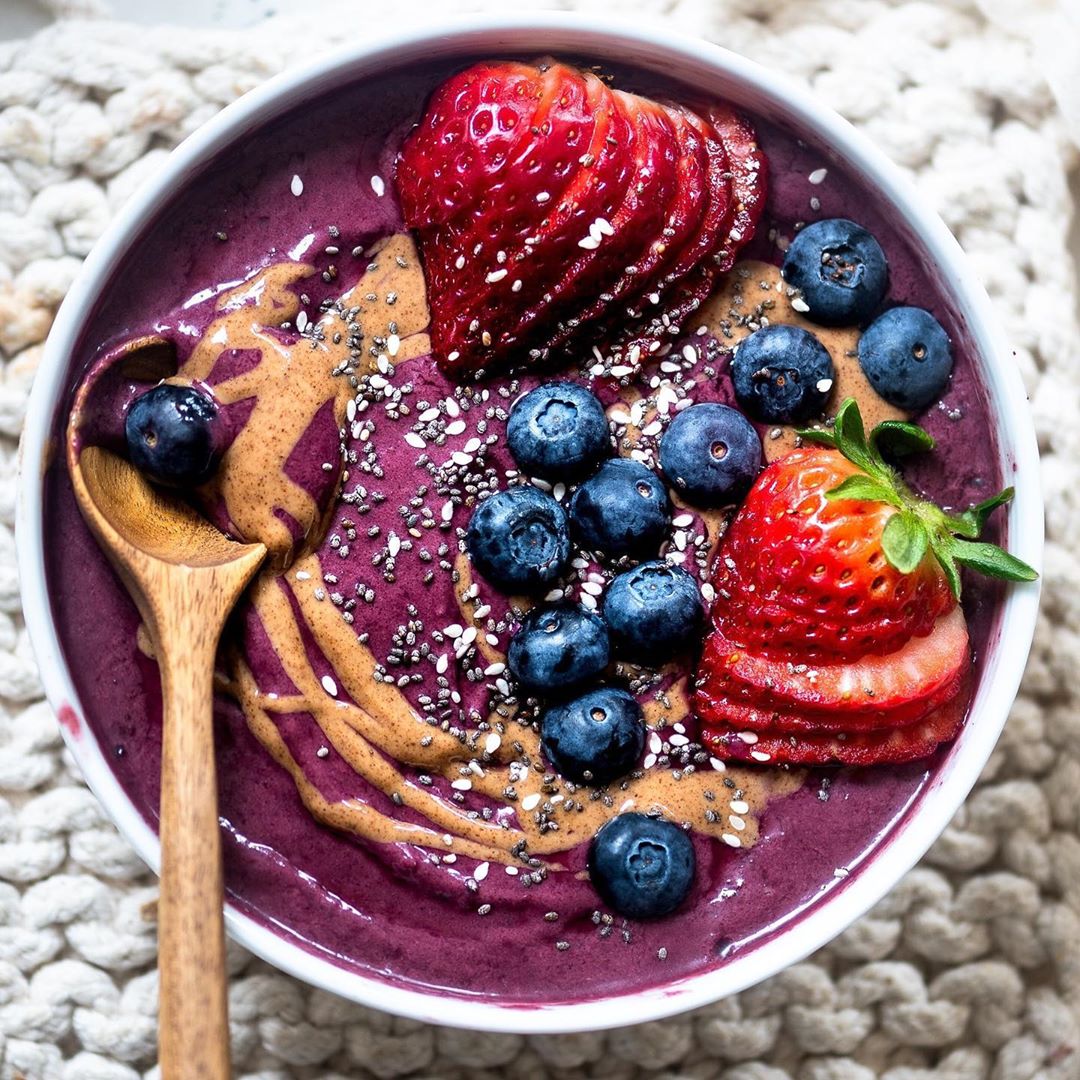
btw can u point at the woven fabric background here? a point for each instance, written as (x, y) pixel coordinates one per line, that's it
(970, 969)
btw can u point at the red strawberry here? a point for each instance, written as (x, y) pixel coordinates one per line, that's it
(889, 746)
(528, 221)
(836, 633)
(874, 691)
(738, 203)
(803, 575)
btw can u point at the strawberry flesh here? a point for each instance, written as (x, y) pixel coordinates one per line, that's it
(883, 747)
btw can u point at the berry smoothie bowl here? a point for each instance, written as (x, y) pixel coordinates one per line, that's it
(652, 508)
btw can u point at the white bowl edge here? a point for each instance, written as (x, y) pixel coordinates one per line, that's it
(682, 57)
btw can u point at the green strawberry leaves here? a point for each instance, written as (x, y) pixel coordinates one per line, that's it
(918, 526)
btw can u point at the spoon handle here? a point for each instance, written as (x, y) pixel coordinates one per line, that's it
(193, 1026)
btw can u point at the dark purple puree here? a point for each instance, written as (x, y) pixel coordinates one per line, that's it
(386, 910)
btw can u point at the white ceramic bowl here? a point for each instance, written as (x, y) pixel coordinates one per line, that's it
(715, 71)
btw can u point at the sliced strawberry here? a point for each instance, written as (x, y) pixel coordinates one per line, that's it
(467, 135)
(715, 707)
(913, 672)
(685, 212)
(603, 255)
(596, 191)
(888, 747)
(748, 177)
(470, 257)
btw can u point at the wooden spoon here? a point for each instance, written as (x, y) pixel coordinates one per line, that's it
(185, 576)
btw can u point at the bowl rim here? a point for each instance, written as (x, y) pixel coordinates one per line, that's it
(613, 38)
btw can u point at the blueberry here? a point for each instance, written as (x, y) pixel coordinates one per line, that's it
(782, 374)
(840, 269)
(595, 738)
(518, 539)
(643, 867)
(905, 354)
(653, 612)
(558, 432)
(711, 454)
(172, 436)
(558, 648)
(622, 509)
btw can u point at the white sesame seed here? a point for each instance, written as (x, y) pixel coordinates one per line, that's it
(543, 485)
(589, 243)
(471, 446)
(708, 592)
(428, 415)
(393, 343)
(555, 594)
(494, 669)
(491, 639)
(302, 575)
(592, 588)
(818, 176)
(656, 744)
(474, 768)
(468, 635)
(502, 686)
(679, 740)
(481, 871)
(559, 491)
(516, 287)
(530, 802)
(492, 742)
(453, 356)
(799, 304)
(452, 407)
(543, 196)
(652, 429)
(464, 784)
(297, 186)
(451, 858)
(459, 457)
(301, 322)
(731, 839)
(378, 186)
(393, 545)
(448, 840)
(683, 520)
(604, 227)
(459, 262)
(823, 385)
(748, 737)
(736, 822)
(680, 539)
(689, 354)
(442, 664)
(415, 440)
(323, 752)
(482, 612)
(447, 511)
(588, 601)
(496, 275)
(717, 764)
(619, 415)
(760, 755)
(455, 427)
(511, 870)
(454, 630)
(329, 685)
(739, 806)
(649, 762)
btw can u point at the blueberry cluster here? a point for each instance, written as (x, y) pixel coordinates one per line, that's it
(783, 374)
(521, 540)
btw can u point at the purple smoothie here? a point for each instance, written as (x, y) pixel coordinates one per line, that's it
(387, 910)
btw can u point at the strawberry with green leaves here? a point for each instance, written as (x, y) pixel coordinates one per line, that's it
(836, 625)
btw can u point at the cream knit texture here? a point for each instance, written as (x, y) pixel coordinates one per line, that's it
(970, 968)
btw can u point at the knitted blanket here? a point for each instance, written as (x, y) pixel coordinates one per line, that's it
(970, 969)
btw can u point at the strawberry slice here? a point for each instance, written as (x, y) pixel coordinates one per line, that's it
(915, 671)
(467, 135)
(605, 253)
(470, 256)
(888, 747)
(747, 180)
(714, 706)
(685, 212)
